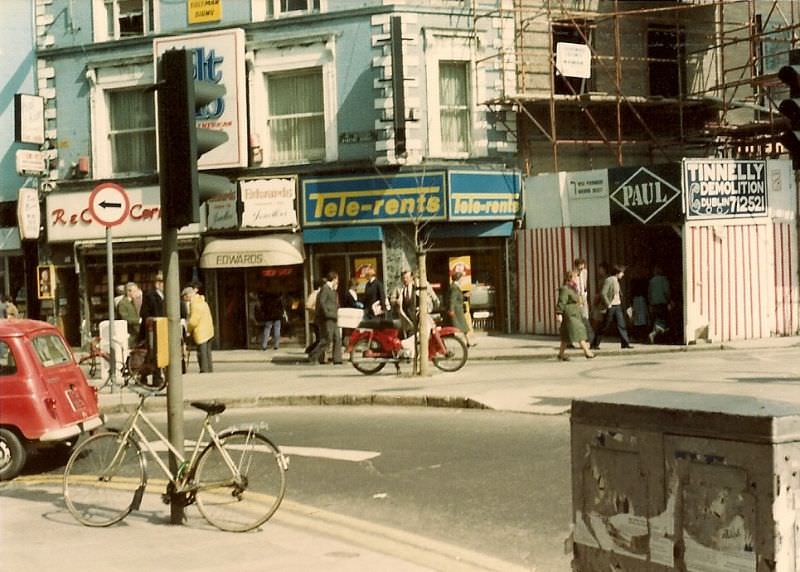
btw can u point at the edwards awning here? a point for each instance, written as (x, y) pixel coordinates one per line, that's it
(265, 250)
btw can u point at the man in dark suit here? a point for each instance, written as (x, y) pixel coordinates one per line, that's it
(152, 307)
(327, 314)
(404, 304)
(374, 295)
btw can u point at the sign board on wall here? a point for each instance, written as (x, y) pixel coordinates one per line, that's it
(367, 200)
(69, 217)
(574, 60)
(219, 58)
(203, 11)
(483, 196)
(29, 118)
(29, 217)
(724, 188)
(222, 213)
(269, 202)
(645, 195)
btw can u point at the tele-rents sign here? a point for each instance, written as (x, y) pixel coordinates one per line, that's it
(218, 58)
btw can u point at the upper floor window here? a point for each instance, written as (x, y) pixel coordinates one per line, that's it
(454, 107)
(116, 19)
(296, 116)
(665, 57)
(132, 131)
(293, 101)
(278, 8)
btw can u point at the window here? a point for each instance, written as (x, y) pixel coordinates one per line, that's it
(572, 32)
(51, 350)
(8, 366)
(454, 107)
(665, 53)
(132, 131)
(296, 116)
(277, 8)
(126, 18)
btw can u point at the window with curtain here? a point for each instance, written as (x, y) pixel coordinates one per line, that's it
(132, 131)
(296, 116)
(454, 106)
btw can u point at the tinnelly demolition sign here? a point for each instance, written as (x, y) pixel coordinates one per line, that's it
(724, 188)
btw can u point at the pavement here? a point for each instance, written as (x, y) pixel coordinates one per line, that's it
(37, 532)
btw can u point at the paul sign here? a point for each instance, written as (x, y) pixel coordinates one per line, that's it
(645, 195)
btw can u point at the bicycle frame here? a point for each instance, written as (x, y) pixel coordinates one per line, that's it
(180, 479)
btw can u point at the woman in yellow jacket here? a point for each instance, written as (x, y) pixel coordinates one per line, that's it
(201, 327)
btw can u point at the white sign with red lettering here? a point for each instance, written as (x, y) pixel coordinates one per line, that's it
(69, 217)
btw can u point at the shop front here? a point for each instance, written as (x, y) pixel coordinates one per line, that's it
(76, 248)
(457, 217)
(729, 264)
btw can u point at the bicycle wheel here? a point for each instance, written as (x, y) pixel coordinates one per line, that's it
(91, 365)
(239, 504)
(455, 355)
(362, 356)
(104, 479)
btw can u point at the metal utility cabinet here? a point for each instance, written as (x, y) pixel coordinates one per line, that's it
(685, 481)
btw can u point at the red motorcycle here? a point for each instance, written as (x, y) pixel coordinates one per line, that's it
(377, 342)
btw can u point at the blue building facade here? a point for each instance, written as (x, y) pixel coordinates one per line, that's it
(353, 127)
(17, 65)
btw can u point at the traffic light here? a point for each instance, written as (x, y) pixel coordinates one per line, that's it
(181, 142)
(790, 108)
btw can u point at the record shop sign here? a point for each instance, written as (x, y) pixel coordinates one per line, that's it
(645, 195)
(724, 188)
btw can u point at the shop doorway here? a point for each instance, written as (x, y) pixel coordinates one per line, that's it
(232, 310)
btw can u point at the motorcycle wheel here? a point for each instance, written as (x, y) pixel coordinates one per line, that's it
(455, 355)
(363, 363)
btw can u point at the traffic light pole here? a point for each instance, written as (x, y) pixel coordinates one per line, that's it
(170, 267)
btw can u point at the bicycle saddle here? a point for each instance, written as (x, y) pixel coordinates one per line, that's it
(213, 408)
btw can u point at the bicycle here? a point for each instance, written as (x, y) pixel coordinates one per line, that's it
(91, 362)
(237, 479)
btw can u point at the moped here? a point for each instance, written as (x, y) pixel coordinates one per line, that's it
(377, 342)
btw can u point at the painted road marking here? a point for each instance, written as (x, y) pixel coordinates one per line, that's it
(351, 455)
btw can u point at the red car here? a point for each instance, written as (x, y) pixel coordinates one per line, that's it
(45, 400)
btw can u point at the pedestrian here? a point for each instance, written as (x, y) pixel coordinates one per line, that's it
(351, 296)
(311, 313)
(126, 310)
(11, 310)
(660, 302)
(374, 295)
(327, 315)
(597, 312)
(638, 312)
(404, 304)
(120, 294)
(583, 290)
(454, 305)
(200, 327)
(570, 311)
(152, 307)
(272, 309)
(611, 300)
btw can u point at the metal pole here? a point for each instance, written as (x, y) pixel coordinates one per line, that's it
(170, 267)
(112, 353)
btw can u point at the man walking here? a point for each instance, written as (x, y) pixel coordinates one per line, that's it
(404, 304)
(374, 295)
(201, 327)
(327, 313)
(611, 300)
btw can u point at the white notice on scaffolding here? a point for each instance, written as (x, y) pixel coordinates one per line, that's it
(574, 60)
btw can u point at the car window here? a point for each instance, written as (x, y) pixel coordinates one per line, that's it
(51, 350)
(8, 365)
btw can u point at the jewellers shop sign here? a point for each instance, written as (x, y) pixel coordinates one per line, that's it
(218, 57)
(645, 195)
(724, 188)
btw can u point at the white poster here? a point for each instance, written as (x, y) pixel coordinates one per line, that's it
(219, 58)
(269, 202)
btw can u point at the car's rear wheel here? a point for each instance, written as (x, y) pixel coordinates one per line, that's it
(12, 454)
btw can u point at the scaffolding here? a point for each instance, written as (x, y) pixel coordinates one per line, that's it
(668, 80)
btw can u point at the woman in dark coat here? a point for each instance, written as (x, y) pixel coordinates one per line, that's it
(569, 309)
(454, 305)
